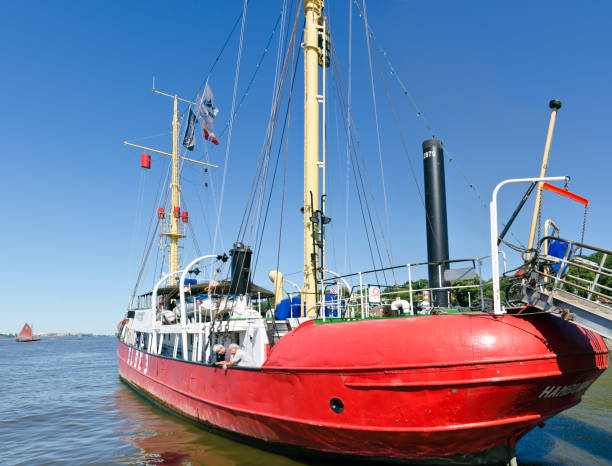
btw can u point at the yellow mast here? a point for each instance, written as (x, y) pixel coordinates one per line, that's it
(174, 234)
(175, 188)
(312, 12)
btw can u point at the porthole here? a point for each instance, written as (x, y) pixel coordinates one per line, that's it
(336, 405)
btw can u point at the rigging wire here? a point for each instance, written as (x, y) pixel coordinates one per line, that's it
(165, 133)
(190, 226)
(252, 214)
(279, 49)
(156, 264)
(382, 170)
(139, 202)
(420, 114)
(261, 170)
(357, 150)
(258, 211)
(151, 230)
(254, 75)
(202, 209)
(404, 146)
(148, 250)
(274, 109)
(347, 260)
(259, 236)
(282, 206)
(339, 151)
(349, 136)
(229, 138)
(229, 36)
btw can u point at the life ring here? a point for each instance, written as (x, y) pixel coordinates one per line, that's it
(121, 323)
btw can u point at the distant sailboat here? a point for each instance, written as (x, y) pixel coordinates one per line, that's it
(25, 335)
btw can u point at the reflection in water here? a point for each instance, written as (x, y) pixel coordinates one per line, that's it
(581, 435)
(164, 438)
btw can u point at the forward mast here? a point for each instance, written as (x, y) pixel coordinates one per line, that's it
(174, 233)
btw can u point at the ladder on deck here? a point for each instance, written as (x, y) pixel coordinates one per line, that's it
(575, 284)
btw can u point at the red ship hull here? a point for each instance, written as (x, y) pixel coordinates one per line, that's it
(410, 388)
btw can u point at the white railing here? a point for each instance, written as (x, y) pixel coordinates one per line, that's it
(371, 293)
(495, 234)
(563, 272)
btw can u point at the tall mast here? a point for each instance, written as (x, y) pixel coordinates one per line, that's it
(175, 188)
(312, 12)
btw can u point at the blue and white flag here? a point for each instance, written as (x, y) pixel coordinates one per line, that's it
(207, 112)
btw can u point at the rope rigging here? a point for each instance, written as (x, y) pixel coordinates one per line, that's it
(404, 146)
(382, 170)
(359, 189)
(151, 230)
(259, 236)
(231, 126)
(257, 223)
(229, 36)
(347, 260)
(356, 149)
(254, 75)
(254, 197)
(419, 113)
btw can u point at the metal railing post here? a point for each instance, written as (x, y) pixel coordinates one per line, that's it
(361, 294)
(182, 299)
(322, 301)
(440, 283)
(410, 289)
(497, 308)
(480, 285)
(597, 275)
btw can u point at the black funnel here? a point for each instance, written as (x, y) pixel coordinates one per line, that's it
(240, 268)
(435, 222)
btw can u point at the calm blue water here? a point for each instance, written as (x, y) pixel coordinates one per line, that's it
(61, 401)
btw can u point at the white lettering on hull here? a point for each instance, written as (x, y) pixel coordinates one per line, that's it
(555, 391)
(135, 360)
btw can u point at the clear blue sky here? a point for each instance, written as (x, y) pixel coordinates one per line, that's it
(75, 83)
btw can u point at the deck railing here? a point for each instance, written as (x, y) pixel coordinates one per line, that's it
(582, 269)
(404, 289)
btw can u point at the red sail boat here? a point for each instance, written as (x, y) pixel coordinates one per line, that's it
(370, 371)
(25, 336)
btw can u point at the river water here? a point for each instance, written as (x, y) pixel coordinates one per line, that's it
(61, 401)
